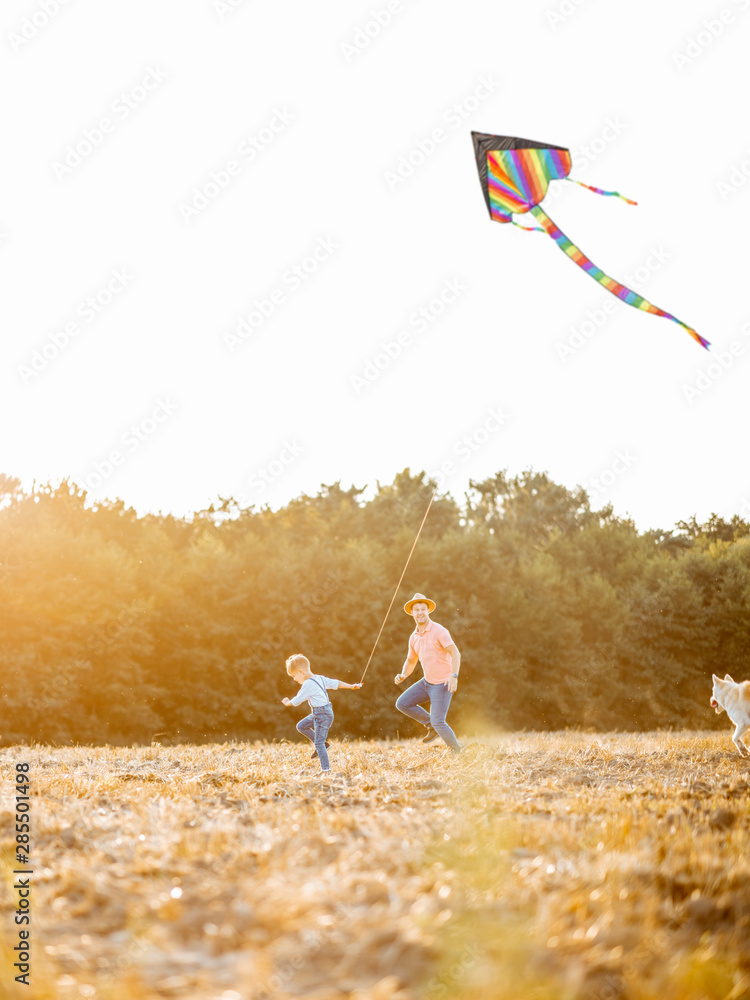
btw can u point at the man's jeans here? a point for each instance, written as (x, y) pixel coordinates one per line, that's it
(315, 727)
(439, 698)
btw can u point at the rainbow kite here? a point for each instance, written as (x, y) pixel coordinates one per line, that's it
(515, 174)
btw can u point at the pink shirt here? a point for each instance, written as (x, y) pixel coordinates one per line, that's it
(431, 646)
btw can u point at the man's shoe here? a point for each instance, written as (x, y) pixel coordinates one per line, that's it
(431, 735)
(314, 754)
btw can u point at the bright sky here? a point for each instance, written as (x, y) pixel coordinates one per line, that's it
(245, 249)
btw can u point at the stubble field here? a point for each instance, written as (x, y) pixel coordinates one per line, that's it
(534, 866)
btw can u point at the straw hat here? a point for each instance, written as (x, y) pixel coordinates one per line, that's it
(419, 599)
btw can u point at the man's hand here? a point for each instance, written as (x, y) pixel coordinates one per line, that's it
(452, 683)
(286, 701)
(398, 678)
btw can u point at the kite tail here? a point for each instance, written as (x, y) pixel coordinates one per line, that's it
(502, 217)
(527, 229)
(612, 194)
(620, 291)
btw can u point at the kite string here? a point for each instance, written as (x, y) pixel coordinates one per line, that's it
(408, 559)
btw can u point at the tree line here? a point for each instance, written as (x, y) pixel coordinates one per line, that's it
(117, 627)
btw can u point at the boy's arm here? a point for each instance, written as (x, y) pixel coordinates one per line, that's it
(299, 697)
(332, 682)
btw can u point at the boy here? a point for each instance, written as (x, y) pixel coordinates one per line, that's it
(314, 691)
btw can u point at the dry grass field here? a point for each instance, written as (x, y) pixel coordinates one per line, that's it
(533, 867)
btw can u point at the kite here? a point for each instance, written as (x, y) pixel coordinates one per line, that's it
(515, 174)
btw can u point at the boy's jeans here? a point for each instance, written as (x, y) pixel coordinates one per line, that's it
(315, 727)
(439, 698)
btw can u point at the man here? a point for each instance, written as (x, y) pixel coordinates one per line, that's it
(432, 645)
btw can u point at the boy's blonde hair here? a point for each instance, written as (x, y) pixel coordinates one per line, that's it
(297, 662)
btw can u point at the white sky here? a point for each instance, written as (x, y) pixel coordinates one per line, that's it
(650, 98)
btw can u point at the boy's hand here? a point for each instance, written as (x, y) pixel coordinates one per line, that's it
(398, 678)
(286, 701)
(357, 686)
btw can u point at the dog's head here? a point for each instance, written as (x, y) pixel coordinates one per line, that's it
(716, 694)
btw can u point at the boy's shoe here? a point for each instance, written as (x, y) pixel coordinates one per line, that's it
(431, 735)
(314, 754)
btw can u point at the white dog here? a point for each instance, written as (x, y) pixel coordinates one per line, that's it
(734, 699)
